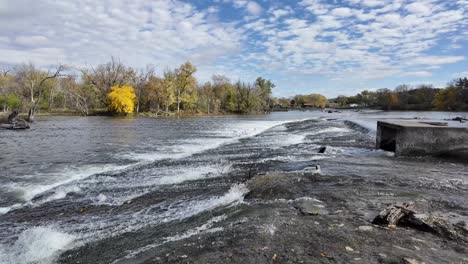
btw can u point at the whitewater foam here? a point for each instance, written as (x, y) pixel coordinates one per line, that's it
(214, 139)
(36, 245)
(28, 192)
(205, 228)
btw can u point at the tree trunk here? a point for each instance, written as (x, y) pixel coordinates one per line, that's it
(178, 103)
(31, 115)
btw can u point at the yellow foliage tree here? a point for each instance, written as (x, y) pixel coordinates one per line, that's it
(121, 99)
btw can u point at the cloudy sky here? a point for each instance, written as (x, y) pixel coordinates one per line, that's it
(311, 46)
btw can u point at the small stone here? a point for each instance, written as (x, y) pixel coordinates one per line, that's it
(350, 249)
(274, 258)
(365, 228)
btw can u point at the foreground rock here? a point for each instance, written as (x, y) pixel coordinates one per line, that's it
(303, 218)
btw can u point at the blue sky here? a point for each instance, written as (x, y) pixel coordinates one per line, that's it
(331, 47)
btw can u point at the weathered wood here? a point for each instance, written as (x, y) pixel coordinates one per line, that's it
(404, 215)
(392, 215)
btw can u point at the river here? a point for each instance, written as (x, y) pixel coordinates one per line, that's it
(71, 183)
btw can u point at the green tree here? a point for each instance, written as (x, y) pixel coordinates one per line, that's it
(185, 84)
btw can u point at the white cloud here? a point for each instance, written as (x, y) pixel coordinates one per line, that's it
(342, 12)
(436, 60)
(417, 74)
(164, 32)
(41, 56)
(31, 40)
(419, 8)
(253, 8)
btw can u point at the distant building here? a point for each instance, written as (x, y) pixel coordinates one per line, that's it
(353, 105)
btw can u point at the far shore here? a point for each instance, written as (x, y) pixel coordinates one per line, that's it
(103, 112)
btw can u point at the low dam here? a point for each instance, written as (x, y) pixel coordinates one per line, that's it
(418, 138)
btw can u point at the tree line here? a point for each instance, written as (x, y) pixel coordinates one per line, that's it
(113, 86)
(404, 97)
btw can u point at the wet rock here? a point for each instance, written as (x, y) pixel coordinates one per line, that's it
(270, 186)
(310, 207)
(322, 149)
(460, 119)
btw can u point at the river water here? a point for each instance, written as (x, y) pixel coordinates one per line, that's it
(72, 183)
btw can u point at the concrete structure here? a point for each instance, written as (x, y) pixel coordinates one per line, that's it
(417, 138)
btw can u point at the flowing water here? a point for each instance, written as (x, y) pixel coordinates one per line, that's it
(127, 185)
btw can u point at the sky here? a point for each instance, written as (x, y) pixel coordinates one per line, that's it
(332, 47)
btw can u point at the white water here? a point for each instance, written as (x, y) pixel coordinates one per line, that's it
(38, 184)
(99, 228)
(214, 139)
(36, 245)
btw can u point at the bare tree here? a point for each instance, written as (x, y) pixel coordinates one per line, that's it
(105, 76)
(140, 80)
(34, 80)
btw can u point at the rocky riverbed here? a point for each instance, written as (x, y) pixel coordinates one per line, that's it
(283, 208)
(285, 188)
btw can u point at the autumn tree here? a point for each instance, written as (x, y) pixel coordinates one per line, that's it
(207, 96)
(264, 89)
(121, 100)
(185, 83)
(446, 99)
(317, 100)
(105, 76)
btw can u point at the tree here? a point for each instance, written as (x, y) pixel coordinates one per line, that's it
(81, 96)
(446, 99)
(207, 95)
(105, 76)
(121, 99)
(264, 88)
(140, 81)
(9, 96)
(185, 82)
(316, 100)
(342, 100)
(9, 102)
(35, 82)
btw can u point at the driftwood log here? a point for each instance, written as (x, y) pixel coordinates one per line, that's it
(14, 122)
(404, 215)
